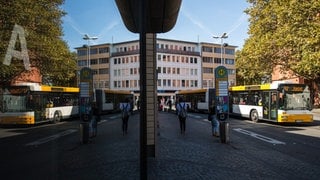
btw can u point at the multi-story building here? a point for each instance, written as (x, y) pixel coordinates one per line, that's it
(180, 65)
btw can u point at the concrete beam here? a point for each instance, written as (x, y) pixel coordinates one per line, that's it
(161, 15)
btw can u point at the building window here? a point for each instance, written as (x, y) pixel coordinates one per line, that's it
(229, 61)
(94, 71)
(217, 60)
(207, 70)
(103, 60)
(217, 50)
(93, 61)
(207, 59)
(93, 51)
(82, 52)
(164, 70)
(206, 49)
(104, 71)
(103, 50)
(82, 63)
(229, 51)
(106, 84)
(231, 71)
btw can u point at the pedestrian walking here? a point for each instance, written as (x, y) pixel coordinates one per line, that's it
(182, 115)
(125, 112)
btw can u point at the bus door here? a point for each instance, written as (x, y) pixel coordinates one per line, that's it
(273, 106)
(266, 105)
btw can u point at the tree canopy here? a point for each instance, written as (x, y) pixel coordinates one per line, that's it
(281, 32)
(42, 24)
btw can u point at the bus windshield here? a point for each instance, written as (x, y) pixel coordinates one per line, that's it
(297, 100)
(13, 101)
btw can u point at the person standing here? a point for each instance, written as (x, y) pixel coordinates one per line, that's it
(170, 104)
(214, 122)
(182, 115)
(125, 111)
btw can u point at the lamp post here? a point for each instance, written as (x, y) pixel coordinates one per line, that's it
(223, 36)
(88, 38)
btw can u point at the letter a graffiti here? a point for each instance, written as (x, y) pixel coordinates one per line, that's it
(11, 52)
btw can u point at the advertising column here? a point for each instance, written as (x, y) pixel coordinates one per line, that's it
(85, 102)
(222, 101)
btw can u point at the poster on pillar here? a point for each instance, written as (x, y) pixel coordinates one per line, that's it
(222, 98)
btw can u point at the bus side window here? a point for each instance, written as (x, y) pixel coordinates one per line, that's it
(242, 101)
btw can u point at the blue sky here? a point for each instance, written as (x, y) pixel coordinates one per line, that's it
(198, 20)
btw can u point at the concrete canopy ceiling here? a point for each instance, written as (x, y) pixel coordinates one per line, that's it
(161, 15)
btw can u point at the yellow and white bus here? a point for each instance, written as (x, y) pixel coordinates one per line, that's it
(277, 102)
(108, 101)
(32, 103)
(197, 100)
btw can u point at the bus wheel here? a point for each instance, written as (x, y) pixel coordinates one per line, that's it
(254, 116)
(56, 117)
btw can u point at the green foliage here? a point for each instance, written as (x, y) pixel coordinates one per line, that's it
(281, 32)
(41, 20)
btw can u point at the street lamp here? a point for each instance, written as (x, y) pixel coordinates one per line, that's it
(88, 38)
(223, 36)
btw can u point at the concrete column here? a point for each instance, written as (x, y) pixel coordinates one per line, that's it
(151, 93)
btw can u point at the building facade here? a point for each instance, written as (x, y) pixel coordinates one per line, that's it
(181, 65)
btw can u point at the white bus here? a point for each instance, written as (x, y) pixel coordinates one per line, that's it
(108, 101)
(198, 100)
(278, 102)
(32, 103)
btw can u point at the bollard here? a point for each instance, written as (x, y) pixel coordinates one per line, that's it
(224, 132)
(84, 132)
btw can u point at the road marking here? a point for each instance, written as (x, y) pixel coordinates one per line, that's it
(51, 138)
(258, 136)
(194, 116)
(115, 116)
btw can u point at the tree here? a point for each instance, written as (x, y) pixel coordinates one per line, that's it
(281, 32)
(41, 21)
